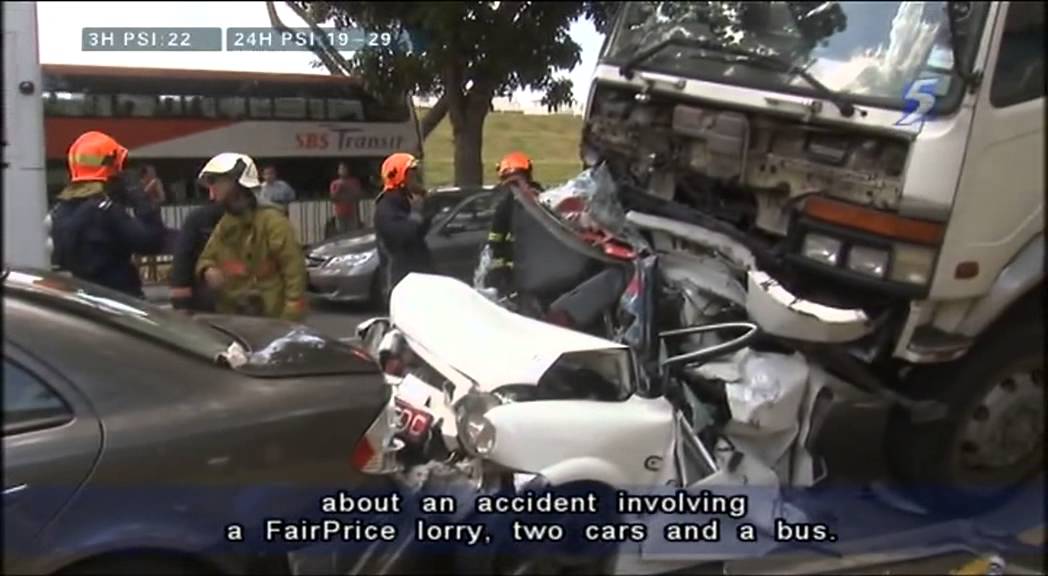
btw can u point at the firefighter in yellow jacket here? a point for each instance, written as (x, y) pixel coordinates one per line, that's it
(252, 261)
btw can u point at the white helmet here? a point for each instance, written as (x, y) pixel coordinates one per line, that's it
(239, 166)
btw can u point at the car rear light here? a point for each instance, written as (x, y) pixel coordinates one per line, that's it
(376, 450)
(364, 456)
(394, 367)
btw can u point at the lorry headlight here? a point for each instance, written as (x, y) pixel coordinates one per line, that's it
(476, 433)
(913, 264)
(868, 261)
(821, 249)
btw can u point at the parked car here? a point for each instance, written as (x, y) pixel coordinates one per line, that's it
(344, 268)
(134, 435)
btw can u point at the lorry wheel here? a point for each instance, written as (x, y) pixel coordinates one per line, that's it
(992, 439)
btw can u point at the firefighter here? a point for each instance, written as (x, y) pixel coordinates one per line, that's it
(252, 262)
(92, 235)
(400, 225)
(515, 173)
(187, 292)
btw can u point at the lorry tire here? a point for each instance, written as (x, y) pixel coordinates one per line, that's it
(992, 438)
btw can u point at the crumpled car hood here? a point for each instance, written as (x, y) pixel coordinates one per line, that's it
(451, 325)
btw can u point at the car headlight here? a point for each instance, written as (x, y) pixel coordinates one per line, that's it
(913, 264)
(822, 249)
(476, 433)
(868, 261)
(350, 260)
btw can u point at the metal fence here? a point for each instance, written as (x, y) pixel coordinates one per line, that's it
(308, 218)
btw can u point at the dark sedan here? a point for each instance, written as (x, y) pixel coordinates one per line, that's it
(345, 267)
(134, 435)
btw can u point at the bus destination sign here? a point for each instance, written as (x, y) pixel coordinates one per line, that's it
(347, 139)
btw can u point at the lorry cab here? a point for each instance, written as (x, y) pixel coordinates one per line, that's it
(884, 164)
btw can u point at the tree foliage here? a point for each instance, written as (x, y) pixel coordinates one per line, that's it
(464, 53)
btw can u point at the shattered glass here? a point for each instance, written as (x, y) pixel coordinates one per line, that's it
(291, 348)
(480, 275)
(872, 49)
(590, 202)
(635, 317)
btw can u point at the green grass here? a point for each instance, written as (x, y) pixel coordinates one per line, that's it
(552, 141)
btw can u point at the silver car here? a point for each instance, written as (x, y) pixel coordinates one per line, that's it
(344, 268)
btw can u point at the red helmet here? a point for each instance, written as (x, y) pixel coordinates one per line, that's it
(95, 157)
(395, 170)
(513, 162)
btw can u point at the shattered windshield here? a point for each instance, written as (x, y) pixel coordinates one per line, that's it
(872, 51)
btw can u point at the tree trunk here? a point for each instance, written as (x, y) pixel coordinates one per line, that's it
(434, 116)
(469, 143)
(334, 62)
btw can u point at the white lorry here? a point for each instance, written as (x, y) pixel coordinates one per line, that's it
(25, 195)
(875, 170)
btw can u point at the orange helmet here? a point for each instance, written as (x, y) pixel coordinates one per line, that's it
(513, 162)
(395, 170)
(95, 156)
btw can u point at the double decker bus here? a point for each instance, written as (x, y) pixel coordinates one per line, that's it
(303, 124)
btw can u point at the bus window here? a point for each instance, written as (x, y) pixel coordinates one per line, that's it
(70, 104)
(136, 105)
(344, 110)
(316, 109)
(170, 105)
(100, 105)
(234, 107)
(200, 106)
(289, 108)
(50, 102)
(261, 108)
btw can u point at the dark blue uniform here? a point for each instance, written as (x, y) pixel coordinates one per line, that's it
(94, 237)
(500, 239)
(196, 230)
(401, 239)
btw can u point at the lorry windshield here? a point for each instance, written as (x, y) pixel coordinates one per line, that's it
(869, 51)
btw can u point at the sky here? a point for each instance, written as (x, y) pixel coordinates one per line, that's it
(60, 38)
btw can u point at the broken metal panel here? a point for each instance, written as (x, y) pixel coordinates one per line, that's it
(739, 255)
(950, 314)
(768, 397)
(780, 313)
(710, 275)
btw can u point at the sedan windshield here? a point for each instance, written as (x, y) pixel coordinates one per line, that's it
(101, 304)
(869, 51)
